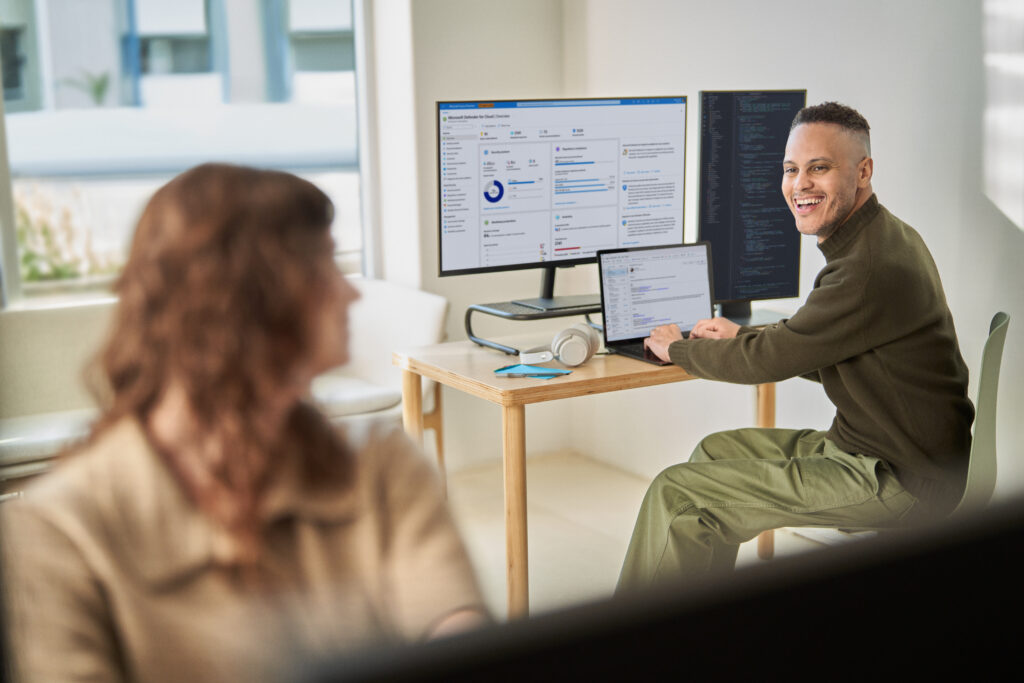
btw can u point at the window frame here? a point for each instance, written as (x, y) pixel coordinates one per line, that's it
(10, 279)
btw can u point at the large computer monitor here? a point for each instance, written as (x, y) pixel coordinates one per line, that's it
(755, 246)
(547, 183)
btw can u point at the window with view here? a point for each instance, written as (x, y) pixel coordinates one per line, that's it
(106, 100)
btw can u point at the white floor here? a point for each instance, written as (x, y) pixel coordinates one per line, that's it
(580, 517)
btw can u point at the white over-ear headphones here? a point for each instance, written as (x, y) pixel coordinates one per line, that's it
(572, 346)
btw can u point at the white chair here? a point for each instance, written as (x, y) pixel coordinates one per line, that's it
(29, 443)
(386, 317)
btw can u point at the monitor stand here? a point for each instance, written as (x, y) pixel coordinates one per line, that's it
(741, 313)
(547, 301)
(561, 303)
(545, 306)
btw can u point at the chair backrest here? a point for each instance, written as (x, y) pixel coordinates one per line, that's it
(389, 317)
(981, 473)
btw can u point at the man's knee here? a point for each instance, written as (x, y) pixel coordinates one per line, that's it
(676, 497)
(715, 446)
(670, 491)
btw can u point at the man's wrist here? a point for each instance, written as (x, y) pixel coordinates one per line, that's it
(677, 350)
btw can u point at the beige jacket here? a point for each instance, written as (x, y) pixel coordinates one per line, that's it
(113, 575)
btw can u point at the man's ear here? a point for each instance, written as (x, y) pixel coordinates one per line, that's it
(865, 169)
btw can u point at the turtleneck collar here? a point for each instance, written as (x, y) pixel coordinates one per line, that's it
(846, 232)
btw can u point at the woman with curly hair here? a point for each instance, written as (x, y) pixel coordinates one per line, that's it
(215, 520)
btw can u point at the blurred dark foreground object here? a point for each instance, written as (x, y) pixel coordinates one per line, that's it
(927, 603)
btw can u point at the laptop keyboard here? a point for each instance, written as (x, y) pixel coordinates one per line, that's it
(638, 350)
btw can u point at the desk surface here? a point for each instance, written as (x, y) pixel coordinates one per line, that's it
(470, 368)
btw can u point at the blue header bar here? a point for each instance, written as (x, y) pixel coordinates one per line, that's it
(523, 104)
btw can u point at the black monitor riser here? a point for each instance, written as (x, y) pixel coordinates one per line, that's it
(547, 301)
(545, 306)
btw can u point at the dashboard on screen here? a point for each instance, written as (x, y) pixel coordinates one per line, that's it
(539, 183)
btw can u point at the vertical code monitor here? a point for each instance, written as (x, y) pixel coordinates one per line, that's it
(742, 212)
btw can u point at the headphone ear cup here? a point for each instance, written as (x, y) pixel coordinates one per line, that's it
(593, 338)
(575, 345)
(558, 344)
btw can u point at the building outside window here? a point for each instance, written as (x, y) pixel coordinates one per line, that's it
(106, 100)
(13, 60)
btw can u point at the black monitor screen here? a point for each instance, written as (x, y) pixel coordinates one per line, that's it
(537, 183)
(755, 246)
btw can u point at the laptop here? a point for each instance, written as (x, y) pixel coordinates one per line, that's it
(644, 287)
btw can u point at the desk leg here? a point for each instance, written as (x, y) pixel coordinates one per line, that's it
(412, 406)
(766, 419)
(514, 453)
(435, 420)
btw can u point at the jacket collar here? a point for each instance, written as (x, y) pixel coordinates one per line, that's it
(846, 232)
(162, 533)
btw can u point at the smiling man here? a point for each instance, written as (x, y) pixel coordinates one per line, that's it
(828, 187)
(878, 335)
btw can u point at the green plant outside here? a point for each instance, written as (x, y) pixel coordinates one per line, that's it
(94, 85)
(48, 252)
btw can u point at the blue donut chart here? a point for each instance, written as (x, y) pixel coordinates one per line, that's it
(494, 191)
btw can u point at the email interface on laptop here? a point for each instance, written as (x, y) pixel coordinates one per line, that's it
(642, 288)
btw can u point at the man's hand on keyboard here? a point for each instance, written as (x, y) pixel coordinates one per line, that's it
(660, 339)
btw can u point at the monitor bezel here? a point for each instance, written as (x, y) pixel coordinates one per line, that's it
(551, 265)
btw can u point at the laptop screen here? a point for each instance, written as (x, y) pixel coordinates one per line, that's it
(644, 287)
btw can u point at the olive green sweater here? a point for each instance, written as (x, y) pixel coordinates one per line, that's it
(878, 335)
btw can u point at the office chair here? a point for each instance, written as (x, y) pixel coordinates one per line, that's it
(981, 469)
(385, 318)
(981, 472)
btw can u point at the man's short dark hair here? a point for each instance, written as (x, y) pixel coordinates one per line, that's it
(845, 117)
(832, 112)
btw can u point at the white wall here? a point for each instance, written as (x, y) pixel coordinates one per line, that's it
(913, 68)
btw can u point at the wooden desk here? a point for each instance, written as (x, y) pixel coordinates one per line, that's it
(470, 368)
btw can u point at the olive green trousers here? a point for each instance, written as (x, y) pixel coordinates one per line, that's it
(742, 482)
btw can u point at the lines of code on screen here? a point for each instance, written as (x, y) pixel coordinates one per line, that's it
(755, 246)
